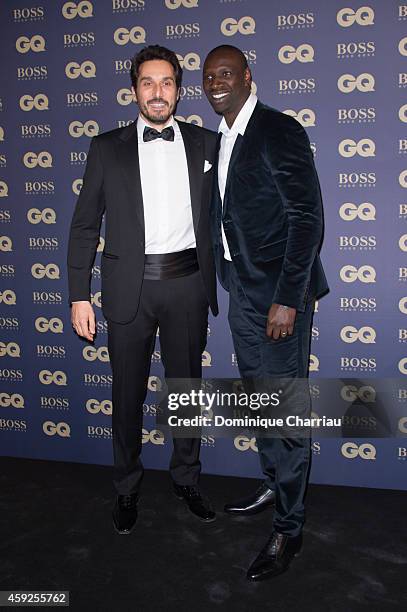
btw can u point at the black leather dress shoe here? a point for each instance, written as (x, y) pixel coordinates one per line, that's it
(261, 499)
(125, 513)
(275, 557)
(199, 506)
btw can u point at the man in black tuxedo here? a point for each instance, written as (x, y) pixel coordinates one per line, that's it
(266, 221)
(152, 181)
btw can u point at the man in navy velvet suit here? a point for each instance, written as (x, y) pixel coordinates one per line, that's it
(267, 225)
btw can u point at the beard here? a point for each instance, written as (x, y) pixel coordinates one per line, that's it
(157, 117)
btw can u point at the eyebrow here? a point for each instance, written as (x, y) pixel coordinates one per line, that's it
(165, 78)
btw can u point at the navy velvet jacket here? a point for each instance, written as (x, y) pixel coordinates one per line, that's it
(272, 213)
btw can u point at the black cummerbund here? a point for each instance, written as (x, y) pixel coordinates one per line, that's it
(162, 266)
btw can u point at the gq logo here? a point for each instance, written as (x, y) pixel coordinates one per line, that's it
(403, 365)
(190, 61)
(403, 179)
(124, 96)
(54, 325)
(402, 305)
(89, 128)
(306, 116)
(6, 244)
(245, 26)
(122, 36)
(288, 54)
(195, 119)
(47, 215)
(365, 212)
(366, 393)
(3, 189)
(94, 406)
(77, 186)
(1, 134)
(403, 46)
(350, 450)
(15, 400)
(82, 9)
(403, 242)
(363, 16)
(403, 113)
(87, 70)
(206, 359)
(9, 349)
(154, 383)
(366, 335)
(40, 102)
(155, 436)
(8, 297)
(365, 274)
(243, 443)
(174, 4)
(96, 300)
(42, 159)
(91, 353)
(35, 43)
(364, 83)
(313, 363)
(61, 429)
(46, 377)
(50, 270)
(365, 147)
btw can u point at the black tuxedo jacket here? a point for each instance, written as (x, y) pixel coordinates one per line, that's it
(112, 186)
(272, 213)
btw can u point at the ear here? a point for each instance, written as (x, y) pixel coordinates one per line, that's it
(248, 77)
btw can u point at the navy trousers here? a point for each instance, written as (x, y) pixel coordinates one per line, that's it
(285, 461)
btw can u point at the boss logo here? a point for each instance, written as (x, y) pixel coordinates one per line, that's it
(288, 54)
(367, 243)
(364, 147)
(87, 70)
(35, 13)
(305, 116)
(366, 334)
(83, 9)
(362, 364)
(32, 72)
(251, 56)
(9, 269)
(364, 274)
(402, 12)
(403, 179)
(358, 49)
(364, 82)
(195, 119)
(11, 323)
(40, 242)
(60, 403)
(98, 380)
(365, 393)
(47, 297)
(47, 216)
(15, 400)
(42, 159)
(190, 92)
(78, 157)
(363, 16)
(3, 189)
(35, 43)
(9, 349)
(31, 131)
(245, 26)
(190, 61)
(243, 443)
(77, 186)
(174, 4)
(82, 39)
(61, 429)
(40, 102)
(403, 46)
(127, 5)
(50, 270)
(154, 383)
(182, 30)
(39, 187)
(122, 36)
(46, 377)
(357, 179)
(365, 212)
(403, 243)
(296, 86)
(124, 96)
(359, 115)
(87, 98)
(89, 128)
(402, 80)
(6, 244)
(95, 406)
(91, 353)
(54, 325)
(313, 363)
(351, 450)
(122, 66)
(299, 20)
(155, 436)
(8, 297)
(5, 215)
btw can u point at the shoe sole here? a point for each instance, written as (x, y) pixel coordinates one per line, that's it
(249, 512)
(203, 520)
(269, 576)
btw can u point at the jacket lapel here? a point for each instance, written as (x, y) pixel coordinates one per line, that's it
(127, 152)
(195, 160)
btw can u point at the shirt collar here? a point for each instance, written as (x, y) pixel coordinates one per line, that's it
(141, 124)
(241, 121)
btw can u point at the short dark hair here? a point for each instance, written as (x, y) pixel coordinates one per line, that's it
(155, 52)
(230, 49)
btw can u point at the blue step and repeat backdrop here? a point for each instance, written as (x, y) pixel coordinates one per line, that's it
(338, 67)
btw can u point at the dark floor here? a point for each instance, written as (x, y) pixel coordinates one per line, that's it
(56, 533)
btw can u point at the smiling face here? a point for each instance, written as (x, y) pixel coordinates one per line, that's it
(226, 82)
(156, 92)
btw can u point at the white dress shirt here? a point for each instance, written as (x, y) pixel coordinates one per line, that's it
(227, 143)
(166, 195)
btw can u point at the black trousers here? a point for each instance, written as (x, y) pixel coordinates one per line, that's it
(285, 461)
(179, 307)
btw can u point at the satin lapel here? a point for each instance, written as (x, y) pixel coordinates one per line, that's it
(195, 160)
(128, 159)
(216, 203)
(235, 153)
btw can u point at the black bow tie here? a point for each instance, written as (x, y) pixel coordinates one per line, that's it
(151, 134)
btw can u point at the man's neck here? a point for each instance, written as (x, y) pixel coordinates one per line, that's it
(231, 117)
